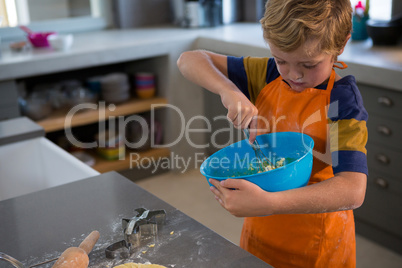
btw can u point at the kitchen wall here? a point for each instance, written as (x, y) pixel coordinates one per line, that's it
(48, 9)
(137, 13)
(79, 8)
(253, 10)
(396, 8)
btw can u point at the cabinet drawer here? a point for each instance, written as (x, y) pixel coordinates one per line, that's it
(382, 101)
(385, 131)
(383, 203)
(384, 160)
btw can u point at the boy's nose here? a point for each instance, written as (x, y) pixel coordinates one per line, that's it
(295, 75)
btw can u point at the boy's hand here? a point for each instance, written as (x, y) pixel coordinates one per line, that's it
(241, 198)
(241, 112)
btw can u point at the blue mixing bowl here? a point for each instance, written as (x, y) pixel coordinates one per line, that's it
(237, 161)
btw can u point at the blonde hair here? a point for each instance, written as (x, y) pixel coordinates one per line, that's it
(288, 24)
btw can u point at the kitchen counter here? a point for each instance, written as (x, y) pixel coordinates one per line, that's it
(19, 129)
(371, 65)
(40, 226)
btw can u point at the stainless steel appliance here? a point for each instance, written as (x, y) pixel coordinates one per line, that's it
(205, 13)
(231, 11)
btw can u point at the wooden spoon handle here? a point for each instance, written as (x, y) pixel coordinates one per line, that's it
(89, 242)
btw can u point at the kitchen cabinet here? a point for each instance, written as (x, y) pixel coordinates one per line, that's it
(56, 121)
(45, 165)
(379, 218)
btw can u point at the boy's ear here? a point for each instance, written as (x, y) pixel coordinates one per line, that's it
(346, 41)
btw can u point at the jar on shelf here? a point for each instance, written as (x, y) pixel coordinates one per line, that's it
(110, 145)
(142, 135)
(115, 88)
(145, 85)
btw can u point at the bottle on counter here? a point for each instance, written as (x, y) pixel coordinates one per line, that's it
(194, 14)
(359, 19)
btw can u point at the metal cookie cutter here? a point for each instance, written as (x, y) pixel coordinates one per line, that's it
(144, 224)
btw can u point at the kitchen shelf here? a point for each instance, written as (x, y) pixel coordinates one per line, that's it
(56, 121)
(102, 165)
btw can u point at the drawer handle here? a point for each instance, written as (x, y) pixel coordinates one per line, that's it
(381, 183)
(385, 101)
(383, 159)
(386, 131)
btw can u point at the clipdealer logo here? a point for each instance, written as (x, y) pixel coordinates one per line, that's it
(118, 125)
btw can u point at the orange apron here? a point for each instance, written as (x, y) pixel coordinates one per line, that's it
(301, 240)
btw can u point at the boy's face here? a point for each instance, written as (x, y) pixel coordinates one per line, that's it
(304, 67)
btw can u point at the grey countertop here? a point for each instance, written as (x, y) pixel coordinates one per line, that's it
(19, 129)
(40, 226)
(380, 66)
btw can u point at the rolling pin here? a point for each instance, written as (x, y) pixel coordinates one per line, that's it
(77, 257)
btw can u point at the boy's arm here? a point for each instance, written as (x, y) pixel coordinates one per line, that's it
(209, 70)
(206, 69)
(346, 190)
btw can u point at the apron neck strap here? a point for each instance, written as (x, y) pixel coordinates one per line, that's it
(331, 81)
(341, 66)
(333, 74)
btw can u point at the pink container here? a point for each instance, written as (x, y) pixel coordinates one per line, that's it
(144, 76)
(39, 39)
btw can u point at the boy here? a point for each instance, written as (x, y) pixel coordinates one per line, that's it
(296, 90)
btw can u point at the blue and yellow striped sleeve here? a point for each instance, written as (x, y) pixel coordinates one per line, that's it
(251, 74)
(348, 131)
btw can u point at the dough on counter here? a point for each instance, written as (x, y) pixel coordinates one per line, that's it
(139, 265)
